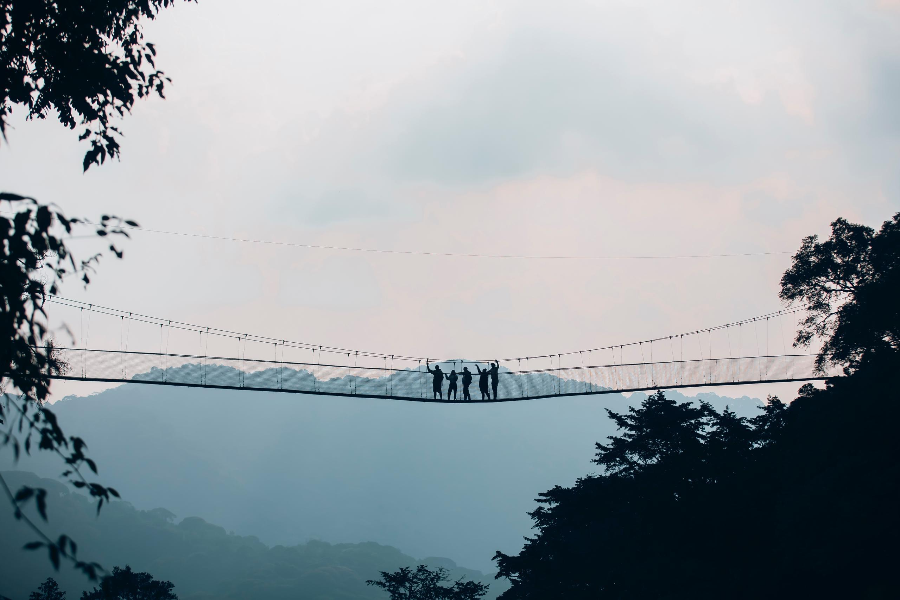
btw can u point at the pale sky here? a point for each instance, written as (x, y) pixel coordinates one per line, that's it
(583, 128)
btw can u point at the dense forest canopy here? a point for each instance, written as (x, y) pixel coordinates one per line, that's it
(799, 501)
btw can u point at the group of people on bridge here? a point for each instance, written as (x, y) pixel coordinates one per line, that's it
(437, 384)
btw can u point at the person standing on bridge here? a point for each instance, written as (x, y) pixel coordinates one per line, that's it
(437, 384)
(467, 381)
(452, 378)
(495, 377)
(483, 383)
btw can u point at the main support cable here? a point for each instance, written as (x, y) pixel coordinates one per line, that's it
(180, 325)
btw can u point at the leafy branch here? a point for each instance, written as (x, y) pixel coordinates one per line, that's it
(64, 547)
(34, 264)
(87, 62)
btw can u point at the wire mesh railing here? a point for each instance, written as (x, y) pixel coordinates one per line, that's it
(418, 383)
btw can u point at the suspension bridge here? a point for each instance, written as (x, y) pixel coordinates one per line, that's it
(714, 356)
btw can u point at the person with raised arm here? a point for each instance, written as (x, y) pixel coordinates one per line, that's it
(495, 377)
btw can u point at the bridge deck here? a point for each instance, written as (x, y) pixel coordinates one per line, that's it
(417, 384)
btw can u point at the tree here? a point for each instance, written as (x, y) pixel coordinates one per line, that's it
(87, 63)
(849, 286)
(125, 584)
(425, 584)
(768, 426)
(595, 538)
(35, 260)
(49, 590)
(798, 501)
(658, 431)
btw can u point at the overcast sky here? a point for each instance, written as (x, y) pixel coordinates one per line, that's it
(584, 128)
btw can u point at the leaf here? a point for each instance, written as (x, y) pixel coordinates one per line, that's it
(91, 157)
(32, 545)
(13, 197)
(54, 555)
(24, 494)
(41, 501)
(89, 569)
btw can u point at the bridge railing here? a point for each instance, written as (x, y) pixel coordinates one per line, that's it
(416, 383)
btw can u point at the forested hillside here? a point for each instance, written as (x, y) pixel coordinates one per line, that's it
(799, 502)
(451, 481)
(201, 559)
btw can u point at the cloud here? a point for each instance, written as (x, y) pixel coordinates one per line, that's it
(780, 73)
(336, 206)
(338, 283)
(608, 87)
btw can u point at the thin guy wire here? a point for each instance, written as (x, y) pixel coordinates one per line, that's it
(181, 325)
(451, 254)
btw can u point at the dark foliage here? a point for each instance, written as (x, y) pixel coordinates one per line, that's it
(203, 560)
(85, 61)
(426, 584)
(35, 260)
(125, 584)
(799, 501)
(850, 287)
(49, 590)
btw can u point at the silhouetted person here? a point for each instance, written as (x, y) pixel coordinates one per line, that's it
(452, 377)
(467, 381)
(483, 383)
(437, 384)
(495, 377)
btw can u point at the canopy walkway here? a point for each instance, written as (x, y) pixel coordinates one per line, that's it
(122, 352)
(417, 384)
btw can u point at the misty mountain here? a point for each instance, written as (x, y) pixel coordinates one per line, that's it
(201, 559)
(434, 480)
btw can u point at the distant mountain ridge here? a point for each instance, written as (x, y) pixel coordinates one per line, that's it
(201, 559)
(435, 480)
(411, 383)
